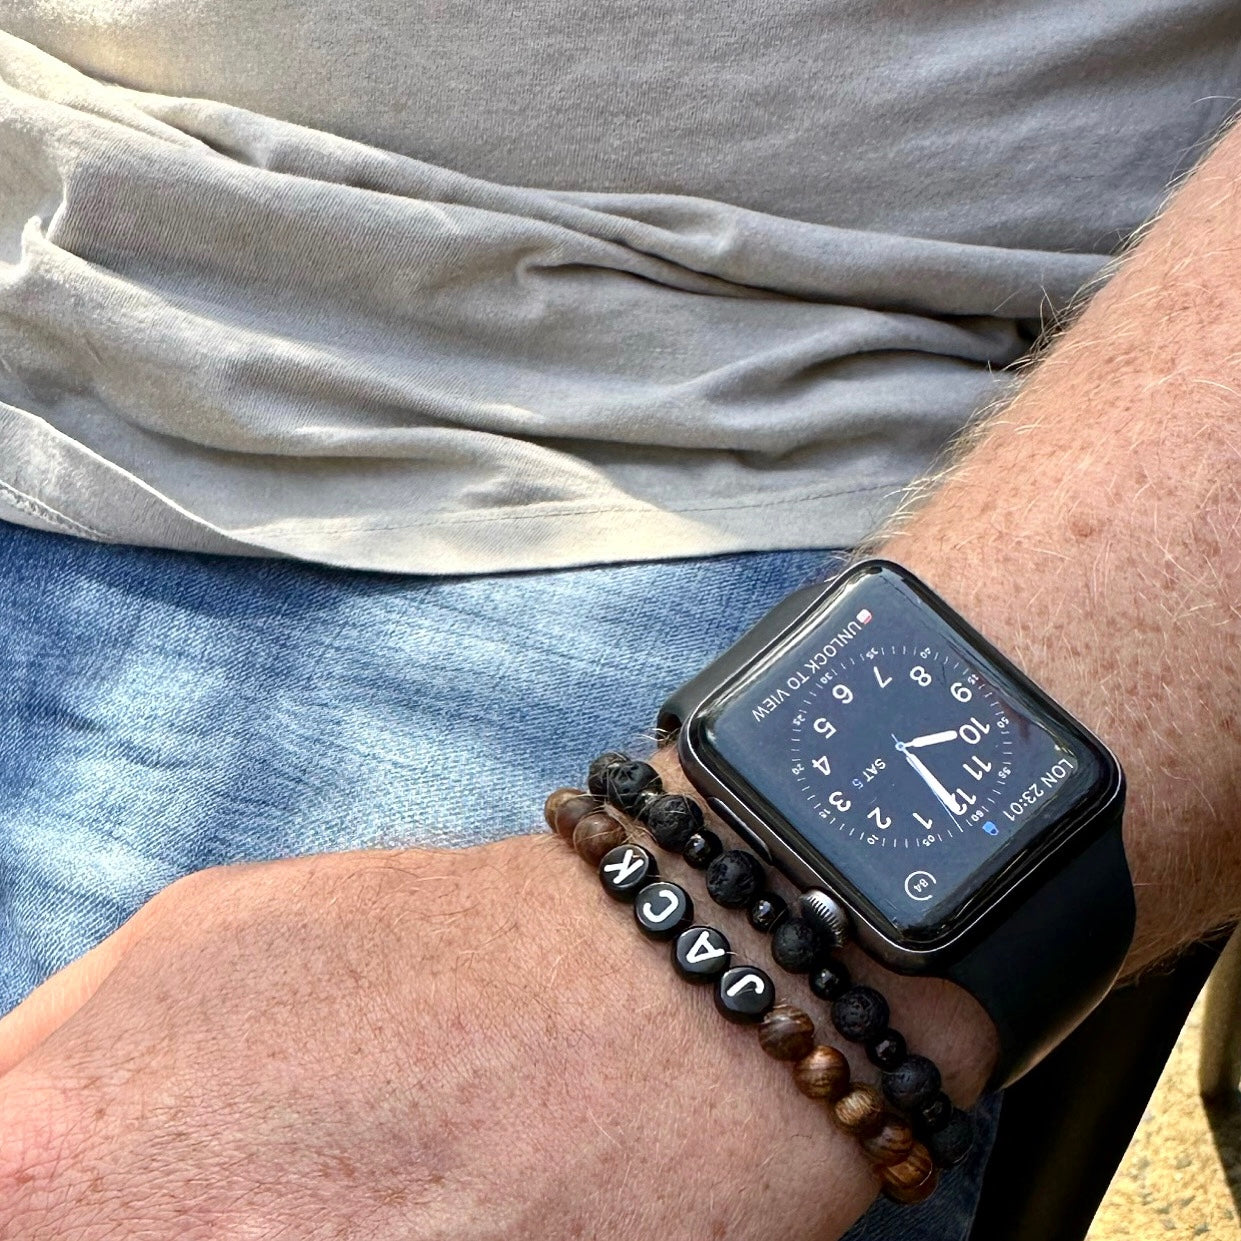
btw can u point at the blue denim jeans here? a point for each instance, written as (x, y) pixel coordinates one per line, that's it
(162, 712)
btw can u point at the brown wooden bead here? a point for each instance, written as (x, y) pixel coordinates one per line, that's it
(786, 1033)
(910, 1171)
(913, 1179)
(823, 1074)
(552, 806)
(861, 1111)
(891, 1144)
(915, 1194)
(596, 833)
(565, 807)
(555, 799)
(911, 1195)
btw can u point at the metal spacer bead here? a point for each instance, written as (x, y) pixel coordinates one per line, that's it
(827, 915)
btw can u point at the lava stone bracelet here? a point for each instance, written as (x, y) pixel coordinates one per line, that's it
(744, 994)
(737, 879)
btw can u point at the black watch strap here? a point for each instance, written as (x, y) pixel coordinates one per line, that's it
(1039, 969)
(1053, 956)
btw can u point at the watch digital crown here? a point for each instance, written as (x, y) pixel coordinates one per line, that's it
(828, 915)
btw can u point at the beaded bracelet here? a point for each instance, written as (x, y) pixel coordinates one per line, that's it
(736, 879)
(743, 994)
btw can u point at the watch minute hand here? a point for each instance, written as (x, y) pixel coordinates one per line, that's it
(949, 802)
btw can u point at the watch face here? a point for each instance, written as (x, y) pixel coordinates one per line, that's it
(901, 756)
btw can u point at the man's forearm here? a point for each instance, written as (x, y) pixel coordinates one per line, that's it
(1091, 533)
(413, 1005)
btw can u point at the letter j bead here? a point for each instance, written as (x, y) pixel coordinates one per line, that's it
(744, 994)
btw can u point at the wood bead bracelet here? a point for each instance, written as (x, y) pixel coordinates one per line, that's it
(663, 910)
(737, 879)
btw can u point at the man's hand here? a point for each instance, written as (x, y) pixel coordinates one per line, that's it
(401, 1045)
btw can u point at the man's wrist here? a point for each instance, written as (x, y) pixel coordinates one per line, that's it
(938, 1019)
(667, 1052)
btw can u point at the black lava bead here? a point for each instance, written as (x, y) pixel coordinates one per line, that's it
(595, 778)
(701, 954)
(624, 784)
(949, 1145)
(861, 1014)
(623, 871)
(796, 945)
(886, 1051)
(663, 909)
(745, 994)
(702, 848)
(766, 909)
(735, 878)
(935, 1113)
(830, 979)
(912, 1083)
(672, 819)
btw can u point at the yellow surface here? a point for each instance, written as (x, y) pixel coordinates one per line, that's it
(1182, 1169)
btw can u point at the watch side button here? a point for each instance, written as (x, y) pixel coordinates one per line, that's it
(743, 830)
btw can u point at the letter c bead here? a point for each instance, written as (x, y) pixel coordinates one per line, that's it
(663, 909)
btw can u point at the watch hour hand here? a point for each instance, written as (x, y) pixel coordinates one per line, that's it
(917, 743)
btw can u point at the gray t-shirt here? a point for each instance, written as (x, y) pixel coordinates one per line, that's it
(446, 286)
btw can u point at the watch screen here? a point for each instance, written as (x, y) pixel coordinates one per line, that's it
(913, 763)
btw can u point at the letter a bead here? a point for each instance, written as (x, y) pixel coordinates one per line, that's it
(625, 870)
(701, 954)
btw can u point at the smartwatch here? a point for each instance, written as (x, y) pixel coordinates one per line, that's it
(929, 800)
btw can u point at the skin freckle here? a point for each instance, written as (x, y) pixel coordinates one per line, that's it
(1082, 527)
(338, 1167)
